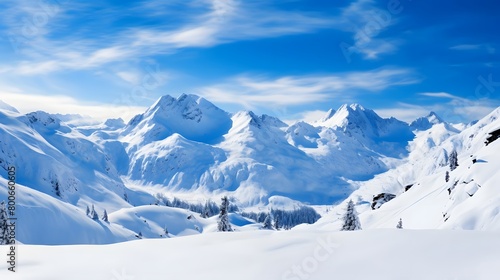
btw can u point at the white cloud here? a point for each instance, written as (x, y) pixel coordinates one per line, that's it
(129, 77)
(255, 91)
(465, 47)
(61, 104)
(440, 95)
(224, 22)
(472, 47)
(456, 110)
(307, 116)
(404, 112)
(367, 22)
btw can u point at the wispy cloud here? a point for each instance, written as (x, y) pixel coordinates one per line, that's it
(405, 112)
(62, 104)
(366, 22)
(440, 95)
(472, 47)
(222, 21)
(306, 116)
(457, 109)
(258, 91)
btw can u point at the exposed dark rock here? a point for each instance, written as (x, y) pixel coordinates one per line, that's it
(494, 135)
(380, 199)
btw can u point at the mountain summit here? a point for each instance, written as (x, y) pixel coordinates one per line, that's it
(426, 122)
(191, 116)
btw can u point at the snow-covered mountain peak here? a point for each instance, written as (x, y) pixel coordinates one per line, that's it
(272, 121)
(434, 117)
(425, 123)
(187, 105)
(327, 116)
(348, 115)
(114, 123)
(44, 119)
(191, 116)
(247, 119)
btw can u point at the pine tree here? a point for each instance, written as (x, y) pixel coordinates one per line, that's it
(105, 216)
(207, 210)
(4, 232)
(447, 176)
(351, 220)
(166, 232)
(267, 222)
(93, 214)
(400, 224)
(453, 160)
(276, 220)
(223, 224)
(87, 212)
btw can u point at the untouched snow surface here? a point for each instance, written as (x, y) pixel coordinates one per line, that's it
(268, 255)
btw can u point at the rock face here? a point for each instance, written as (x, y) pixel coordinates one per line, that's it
(380, 199)
(494, 135)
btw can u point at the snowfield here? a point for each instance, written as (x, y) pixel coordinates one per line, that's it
(270, 255)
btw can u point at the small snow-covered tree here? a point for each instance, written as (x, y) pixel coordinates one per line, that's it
(105, 216)
(400, 224)
(267, 222)
(350, 219)
(93, 214)
(277, 220)
(223, 223)
(87, 212)
(453, 160)
(447, 176)
(166, 232)
(4, 231)
(207, 210)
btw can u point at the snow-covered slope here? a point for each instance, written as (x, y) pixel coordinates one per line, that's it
(269, 255)
(469, 200)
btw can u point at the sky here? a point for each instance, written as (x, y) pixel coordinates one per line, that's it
(293, 59)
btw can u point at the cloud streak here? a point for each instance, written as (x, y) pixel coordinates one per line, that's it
(221, 22)
(258, 91)
(457, 109)
(61, 104)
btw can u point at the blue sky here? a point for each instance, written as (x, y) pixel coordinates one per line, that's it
(294, 59)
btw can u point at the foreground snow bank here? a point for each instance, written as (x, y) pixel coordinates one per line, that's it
(299, 254)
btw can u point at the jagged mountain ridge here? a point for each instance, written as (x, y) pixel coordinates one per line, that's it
(429, 193)
(258, 158)
(187, 143)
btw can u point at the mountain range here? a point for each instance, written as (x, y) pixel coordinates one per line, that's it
(187, 148)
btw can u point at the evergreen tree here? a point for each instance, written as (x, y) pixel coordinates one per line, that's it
(447, 176)
(267, 222)
(207, 210)
(351, 220)
(93, 214)
(166, 232)
(400, 224)
(223, 224)
(453, 160)
(105, 216)
(4, 232)
(87, 212)
(277, 220)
